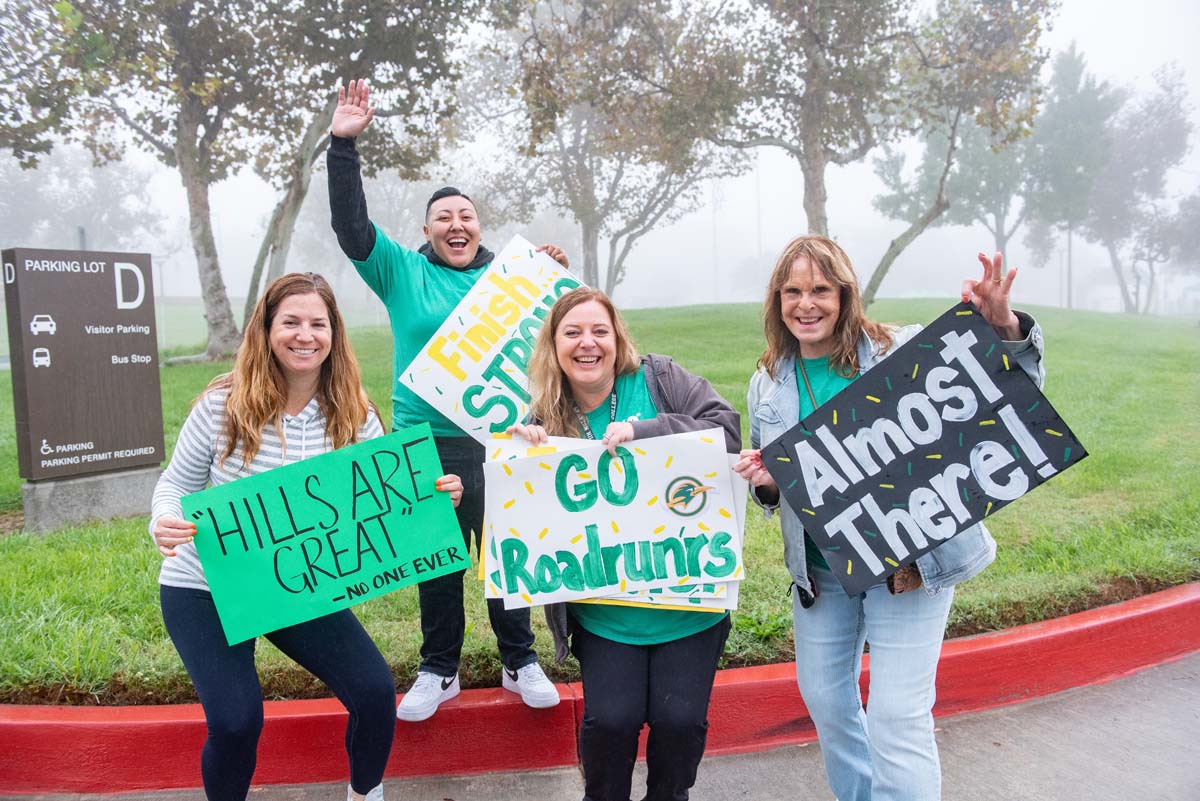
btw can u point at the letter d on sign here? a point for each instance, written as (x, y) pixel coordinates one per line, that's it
(123, 266)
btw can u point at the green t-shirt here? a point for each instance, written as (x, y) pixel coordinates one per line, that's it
(825, 383)
(419, 296)
(630, 624)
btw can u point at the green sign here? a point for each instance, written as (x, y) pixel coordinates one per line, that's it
(304, 540)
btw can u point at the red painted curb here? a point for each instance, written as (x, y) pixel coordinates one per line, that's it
(107, 749)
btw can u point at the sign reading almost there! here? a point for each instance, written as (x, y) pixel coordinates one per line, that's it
(84, 361)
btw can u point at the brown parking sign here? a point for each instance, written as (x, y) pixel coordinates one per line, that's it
(84, 361)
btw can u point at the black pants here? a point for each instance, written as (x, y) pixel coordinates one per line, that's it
(624, 686)
(443, 621)
(334, 648)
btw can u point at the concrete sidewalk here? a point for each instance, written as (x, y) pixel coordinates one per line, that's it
(1134, 739)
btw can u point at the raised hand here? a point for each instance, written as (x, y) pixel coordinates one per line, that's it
(556, 253)
(990, 296)
(354, 112)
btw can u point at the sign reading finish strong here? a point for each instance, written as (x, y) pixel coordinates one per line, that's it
(942, 433)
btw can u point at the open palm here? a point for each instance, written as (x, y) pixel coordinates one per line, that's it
(354, 112)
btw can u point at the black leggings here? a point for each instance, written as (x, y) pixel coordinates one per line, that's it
(625, 686)
(334, 648)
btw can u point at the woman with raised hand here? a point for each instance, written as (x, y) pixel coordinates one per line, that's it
(639, 666)
(819, 340)
(420, 288)
(294, 392)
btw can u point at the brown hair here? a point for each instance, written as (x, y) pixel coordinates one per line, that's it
(833, 263)
(258, 389)
(550, 404)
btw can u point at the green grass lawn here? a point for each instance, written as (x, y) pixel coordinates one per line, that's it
(80, 612)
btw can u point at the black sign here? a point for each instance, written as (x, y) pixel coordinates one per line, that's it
(942, 433)
(84, 361)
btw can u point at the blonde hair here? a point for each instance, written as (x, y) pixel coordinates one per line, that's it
(550, 403)
(828, 257)
(258, 389)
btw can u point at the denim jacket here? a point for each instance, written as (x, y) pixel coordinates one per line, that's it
(774, 405)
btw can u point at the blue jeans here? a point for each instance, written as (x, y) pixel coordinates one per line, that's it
(443, 618)
(887, 752)
(334, 648)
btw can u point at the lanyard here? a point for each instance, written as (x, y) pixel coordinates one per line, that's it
(584, 427)
(808, 386)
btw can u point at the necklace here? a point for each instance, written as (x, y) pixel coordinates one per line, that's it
(584, 427)
(808, 386)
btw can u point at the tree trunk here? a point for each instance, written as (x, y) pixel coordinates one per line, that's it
(1115, 260)
(223, 334)
(1149, 287)
(590, 242)
(812, 167)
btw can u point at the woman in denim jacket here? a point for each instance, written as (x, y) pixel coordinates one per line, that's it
(818, 341)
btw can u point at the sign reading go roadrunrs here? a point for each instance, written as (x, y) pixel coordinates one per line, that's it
(84, 361)
(322, 534)
(474, 369)
(587, 524)
(939, 435)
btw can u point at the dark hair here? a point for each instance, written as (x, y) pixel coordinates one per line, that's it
(445, 191)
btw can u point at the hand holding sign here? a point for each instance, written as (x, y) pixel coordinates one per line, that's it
(941, 434)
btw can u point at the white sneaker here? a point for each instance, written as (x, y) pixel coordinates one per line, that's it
(426, 695)
(532, 685)
(374, 794)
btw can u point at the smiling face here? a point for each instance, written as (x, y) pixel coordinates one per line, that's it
(810, 304)
(586, 346)
(300, 335)
(452, 229)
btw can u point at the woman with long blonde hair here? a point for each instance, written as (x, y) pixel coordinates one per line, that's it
(819, 340)
(640, 666)
(294, 392)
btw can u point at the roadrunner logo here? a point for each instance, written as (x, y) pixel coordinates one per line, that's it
(686, 496)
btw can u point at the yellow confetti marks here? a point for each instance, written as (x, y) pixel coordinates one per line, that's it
(736, 573)
(888, 486)
(495, 589)
(835, 417)
(622, 585)
(507, 469)
(617, 467)
(711, 475)
(703, 527)
(872, 399)
(669, 460)
(783, 459)
(652, 501)
(544, 466)
(525, 597)
(542, 534)
(515, 533)
(1053, 433)
(576, 538)
(528, 487)
(891, 561)
(966, 313)
(456, 407)
(682, 581)
(585, 476)
(725, 513)
(988, 510)
(987, 422)
(639, 451)
(614, 528)
(495, 453)
(849, 567)
(933, 456)
(808, 511)
(1005, 358)
(509, 503)
(915, 368)
(542, 451)
(501, 436)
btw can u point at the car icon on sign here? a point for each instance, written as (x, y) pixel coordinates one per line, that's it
(41, 357)
(42, 323)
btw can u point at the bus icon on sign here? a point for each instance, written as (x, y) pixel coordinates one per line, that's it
(41, 357)
(42, 324)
